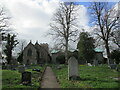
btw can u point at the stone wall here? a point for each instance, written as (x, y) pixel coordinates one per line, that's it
(29, 59)
(40, 54)
(99, 57)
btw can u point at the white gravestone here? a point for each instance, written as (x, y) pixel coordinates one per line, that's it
(89, 64)
(73, 69)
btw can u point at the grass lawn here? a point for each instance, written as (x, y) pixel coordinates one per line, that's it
(12, 79)
(91, 77)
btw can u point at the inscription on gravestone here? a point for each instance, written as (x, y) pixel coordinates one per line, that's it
(26, 78)
(73, 69)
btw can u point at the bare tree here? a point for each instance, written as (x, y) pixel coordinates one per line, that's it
(3, 26)
(116, 33)
(22, 44)
(116, 38)
(3, 21)
(106, 23)
(64, 25)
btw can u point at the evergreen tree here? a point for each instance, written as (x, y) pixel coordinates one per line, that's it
(86, 47)
(115, 55)
(11, 43)
(20, 57)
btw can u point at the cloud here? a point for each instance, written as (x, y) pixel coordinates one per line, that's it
(31, 18)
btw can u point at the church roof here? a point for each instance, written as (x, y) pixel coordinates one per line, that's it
(98, 50)
(37, 46)
(30, 43)
(55, 51)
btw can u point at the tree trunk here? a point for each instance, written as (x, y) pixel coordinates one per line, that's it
(9, 57)
(66, 52)
(110, 61)
(0, 45)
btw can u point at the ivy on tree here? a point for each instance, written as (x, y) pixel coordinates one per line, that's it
(86, 47)
(11, 43)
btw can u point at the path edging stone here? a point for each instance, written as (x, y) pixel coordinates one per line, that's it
(42, 74)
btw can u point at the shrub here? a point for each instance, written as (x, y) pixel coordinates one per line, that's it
(60, 59)
(115, 54)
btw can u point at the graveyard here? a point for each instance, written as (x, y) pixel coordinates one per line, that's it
(90, 77)
(59, 44)
(12, 78)
(52, 71)
(100, 76)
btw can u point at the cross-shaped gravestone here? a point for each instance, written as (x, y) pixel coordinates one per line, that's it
(73, 69)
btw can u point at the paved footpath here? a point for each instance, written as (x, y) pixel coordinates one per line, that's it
(49, 80)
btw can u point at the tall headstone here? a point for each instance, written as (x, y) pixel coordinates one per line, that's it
(95, 62)
(26, 78)
(73, 69)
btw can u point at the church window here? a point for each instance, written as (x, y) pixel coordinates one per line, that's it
(29, 53)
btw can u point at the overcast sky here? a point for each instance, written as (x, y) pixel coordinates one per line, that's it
(31, 18)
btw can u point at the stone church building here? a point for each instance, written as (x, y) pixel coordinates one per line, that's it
(36, 54)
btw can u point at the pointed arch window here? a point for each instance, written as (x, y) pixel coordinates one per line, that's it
(29, 52)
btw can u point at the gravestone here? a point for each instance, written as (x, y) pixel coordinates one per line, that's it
(26, 78)
(8, 67)
(118, 69)
(59, 67)
(21, 69)
(89, 64)
(113, 66)
(13, 67)
(95, 62)
(73, 69)
(4, 66)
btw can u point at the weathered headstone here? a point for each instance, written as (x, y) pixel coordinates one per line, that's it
(58, 67)
(21, 69)
(13, 67)
(73, 69)
(113, 66)
(95, 62)
(118, 69)
(8, 66)
(4, 66)
(26, 78)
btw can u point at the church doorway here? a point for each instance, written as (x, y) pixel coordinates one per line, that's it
(28, 62)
